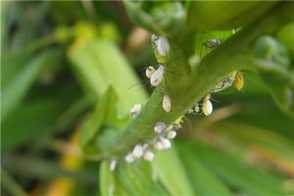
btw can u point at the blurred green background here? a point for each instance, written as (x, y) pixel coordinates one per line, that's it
(57, 61)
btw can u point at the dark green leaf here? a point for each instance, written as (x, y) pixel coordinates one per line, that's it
(204, 181)
(20, 83)
(29, 121)
(246, 179)
(137, 180)
(161, 18)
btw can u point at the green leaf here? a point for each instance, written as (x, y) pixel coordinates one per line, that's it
(285, 35)
(40, 116)
(24, 165)
(10, 66)
(17, 87)
(243, 137)
(137, 179)
(279, 82)
(131, 180)
(202, 14)
(108, 183)
(281, 93)
(98, 65)
(204, 181)
(172, 174)
(104, 115)
(272, 60)
(268, 48)
(256, 108)
(10, 185)
(241, 177)
(202, 38)
(164, 18)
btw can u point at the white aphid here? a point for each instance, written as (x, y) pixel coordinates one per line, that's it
(149, 71)
(166, 103)
(159, 127)
(157, 76)
(166, 144)
(112, 165)
(129, 158)
(207, 106)
(145, 146)
(190, 111)
(138, 151)
(196, 108)
(171, 134)
(135, 110)
(158, 145)
(148, 155)
(162, 46)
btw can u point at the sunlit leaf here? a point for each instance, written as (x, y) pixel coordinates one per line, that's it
(100, 64)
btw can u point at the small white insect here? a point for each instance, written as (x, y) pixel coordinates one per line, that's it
(207, 106)
(159, 127)
(190, 111)
(171, 134)
(162, 45)
(212, 43)
(157, 76)
(135, 110)
(148, 155)
(129, 158)
(166, 144)
(196, 108)
(145, 146)
(194, 60)
(149, 71)
(138, 151)
(158, 145)
(113, 163)
(166, 103)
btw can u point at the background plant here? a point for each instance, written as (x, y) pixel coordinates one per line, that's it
(67, 72)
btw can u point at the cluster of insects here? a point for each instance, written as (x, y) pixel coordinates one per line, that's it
(165, 133)
(235, 78)
(161, 141)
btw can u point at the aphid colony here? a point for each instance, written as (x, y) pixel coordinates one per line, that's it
(206, 107)
(165, 133)
(161, 141)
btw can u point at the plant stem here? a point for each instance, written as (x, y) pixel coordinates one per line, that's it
(187, 87)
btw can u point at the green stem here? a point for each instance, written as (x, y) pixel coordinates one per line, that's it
(186, 87)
